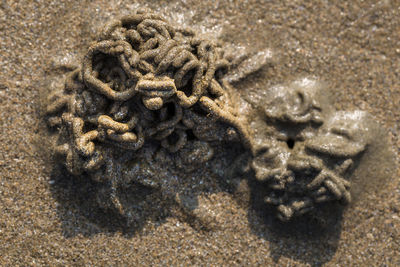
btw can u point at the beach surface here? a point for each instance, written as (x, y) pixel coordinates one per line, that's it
(354, 47)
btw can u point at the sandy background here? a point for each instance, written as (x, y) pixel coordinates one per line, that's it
(354, 47)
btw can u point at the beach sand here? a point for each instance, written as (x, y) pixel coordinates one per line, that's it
(354, 47)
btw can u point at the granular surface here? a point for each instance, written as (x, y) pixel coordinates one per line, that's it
(45, 219)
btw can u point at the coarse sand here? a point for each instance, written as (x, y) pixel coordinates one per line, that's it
(354, 46)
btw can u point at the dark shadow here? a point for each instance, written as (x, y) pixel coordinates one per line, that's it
(312, 238)
(79, 211)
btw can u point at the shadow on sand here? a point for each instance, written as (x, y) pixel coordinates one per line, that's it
(312, 239)
(80, 213)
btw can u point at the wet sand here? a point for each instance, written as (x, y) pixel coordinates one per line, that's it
(354, 48)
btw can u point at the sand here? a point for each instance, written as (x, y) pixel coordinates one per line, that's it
(353, 47)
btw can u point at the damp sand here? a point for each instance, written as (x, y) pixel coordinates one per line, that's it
(354, 47)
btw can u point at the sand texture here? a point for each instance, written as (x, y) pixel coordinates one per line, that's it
(49, 219)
